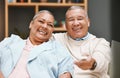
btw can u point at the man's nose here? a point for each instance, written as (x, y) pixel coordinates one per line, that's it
(76, 22)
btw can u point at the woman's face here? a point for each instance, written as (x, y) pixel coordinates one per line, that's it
(41, 28)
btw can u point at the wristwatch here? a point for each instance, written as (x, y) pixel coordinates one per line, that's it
(93, 66)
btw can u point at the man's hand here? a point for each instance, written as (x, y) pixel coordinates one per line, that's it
(65, 75)
(85, 64)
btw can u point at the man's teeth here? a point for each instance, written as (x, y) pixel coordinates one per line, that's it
(43, 32)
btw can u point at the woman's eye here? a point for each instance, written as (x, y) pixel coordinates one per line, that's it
(50, 25)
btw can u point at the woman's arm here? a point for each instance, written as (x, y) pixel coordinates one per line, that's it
(1, 75)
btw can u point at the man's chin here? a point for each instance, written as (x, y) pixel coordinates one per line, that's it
(78, 36)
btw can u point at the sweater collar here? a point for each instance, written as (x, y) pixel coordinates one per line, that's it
(83, 38)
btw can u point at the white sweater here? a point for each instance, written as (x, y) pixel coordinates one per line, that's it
(98, 48)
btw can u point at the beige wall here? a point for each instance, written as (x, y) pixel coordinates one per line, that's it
(2, 25)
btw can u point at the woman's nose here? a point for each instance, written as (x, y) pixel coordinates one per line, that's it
(44, 25)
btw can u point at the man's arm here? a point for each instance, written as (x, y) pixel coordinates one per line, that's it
(99, 60)
(65, 75)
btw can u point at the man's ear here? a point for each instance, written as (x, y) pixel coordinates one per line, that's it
(30, 24)
(88, 22)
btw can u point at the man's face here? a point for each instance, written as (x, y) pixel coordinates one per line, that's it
(41, 27)
(77, 23)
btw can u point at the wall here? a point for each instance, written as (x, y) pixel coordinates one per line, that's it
(100, 16)
(2, 20)
(116, 37)
(115, 20)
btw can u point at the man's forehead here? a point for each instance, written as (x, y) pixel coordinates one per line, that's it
(76, 12)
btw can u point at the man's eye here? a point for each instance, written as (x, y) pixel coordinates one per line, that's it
(70, 19)
(80, 18)
(40, 21)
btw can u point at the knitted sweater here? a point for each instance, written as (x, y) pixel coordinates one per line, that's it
(98, 48)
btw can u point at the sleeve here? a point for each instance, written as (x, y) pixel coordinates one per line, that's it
(66, 65)
(2, 45)
(6, 42)
(65, 60)
(102, 55)
(9, 40)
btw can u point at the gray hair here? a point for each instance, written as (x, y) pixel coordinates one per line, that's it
(76, 7)
(42, 11)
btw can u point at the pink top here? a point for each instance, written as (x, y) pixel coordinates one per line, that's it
(20, 70)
